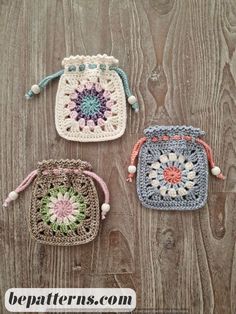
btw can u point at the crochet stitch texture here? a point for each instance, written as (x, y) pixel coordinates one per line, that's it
(64, 207)
(172, 174)
(90, 102)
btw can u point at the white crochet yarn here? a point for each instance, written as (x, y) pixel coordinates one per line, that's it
(115, 123)
(77, 60)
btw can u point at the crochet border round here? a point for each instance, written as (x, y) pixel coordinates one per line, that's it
(80, 59)
(149, 192)
(85, 195)
(115, 122)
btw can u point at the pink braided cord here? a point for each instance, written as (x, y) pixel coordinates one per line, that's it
(102, 184)
(24, 184)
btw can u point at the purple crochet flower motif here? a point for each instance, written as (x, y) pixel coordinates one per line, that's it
(90, 105)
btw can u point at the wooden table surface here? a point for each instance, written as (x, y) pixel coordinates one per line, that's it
(181, 60)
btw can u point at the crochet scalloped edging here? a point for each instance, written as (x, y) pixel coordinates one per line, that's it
(173, 130)
(97, 59)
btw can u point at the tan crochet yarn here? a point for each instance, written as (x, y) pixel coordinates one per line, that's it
(64, 207)
(87, 229)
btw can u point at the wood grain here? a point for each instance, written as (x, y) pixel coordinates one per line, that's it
(181, 61)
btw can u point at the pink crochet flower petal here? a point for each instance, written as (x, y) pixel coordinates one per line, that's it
(106, 94)
(90, 123)
(81, 122)
(71, 105)
(107, 114)
(73, 114)
(80, 88)
(98, 87)
(86, 128)
(89, 85)
(101, 100)
(73, 96)
(109, 104)
(101, 122)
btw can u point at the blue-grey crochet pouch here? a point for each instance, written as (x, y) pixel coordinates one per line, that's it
(172, 169)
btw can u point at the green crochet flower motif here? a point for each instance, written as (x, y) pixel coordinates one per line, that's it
(63, 209)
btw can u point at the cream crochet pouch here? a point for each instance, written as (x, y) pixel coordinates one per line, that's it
(91, 98)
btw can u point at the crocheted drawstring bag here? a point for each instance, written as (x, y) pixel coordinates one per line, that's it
(91, 98)
(64, 206)
(172, 170)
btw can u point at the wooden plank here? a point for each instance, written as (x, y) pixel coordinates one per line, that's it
(181, 62)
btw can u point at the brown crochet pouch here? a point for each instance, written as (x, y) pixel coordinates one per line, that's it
(64, 206)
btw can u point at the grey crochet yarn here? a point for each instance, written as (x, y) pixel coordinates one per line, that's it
(172, 174)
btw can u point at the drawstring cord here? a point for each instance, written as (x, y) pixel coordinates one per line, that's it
(105, 206)
(131, 98)
(214, 169)
(132, 168)
(12, 196)
(36, 89)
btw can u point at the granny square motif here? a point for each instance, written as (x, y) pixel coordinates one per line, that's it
(91, 98)
(64, 206)
(172, 169)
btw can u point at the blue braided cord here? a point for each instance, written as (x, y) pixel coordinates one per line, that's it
(29, 94)
(125, 82)
(44, 82)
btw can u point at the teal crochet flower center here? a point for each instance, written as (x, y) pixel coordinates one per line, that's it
(63, 209)
(90, 105)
